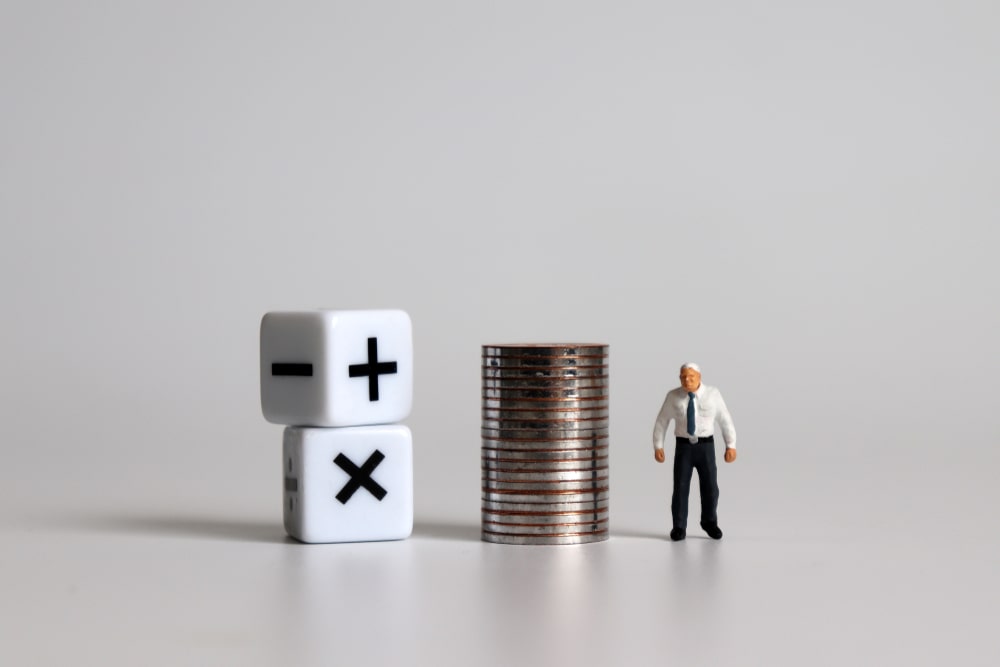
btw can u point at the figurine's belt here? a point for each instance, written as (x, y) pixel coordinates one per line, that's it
(710, 439)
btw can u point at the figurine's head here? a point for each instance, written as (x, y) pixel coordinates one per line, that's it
(690, 377)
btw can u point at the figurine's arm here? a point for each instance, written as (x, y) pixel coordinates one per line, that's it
(728, 430)
(660, 429)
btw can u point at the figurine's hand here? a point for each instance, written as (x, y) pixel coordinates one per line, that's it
(730, 455)
(658, 454)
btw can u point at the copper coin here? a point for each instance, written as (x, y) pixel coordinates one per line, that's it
(490, 476)
(545, 404)
(524, 464)
(546, 424)
(557, 528)
(560, 496)
(598, 373)
(544, 506)
(540, 540)
(544, 362)
(568, 412)
(545, 383)
(545, 349)
(513, 454)
(533, 434)
(522, 444)
(550, 516)
(521, 394)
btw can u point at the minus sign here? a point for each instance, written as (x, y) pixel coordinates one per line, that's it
(299, 370)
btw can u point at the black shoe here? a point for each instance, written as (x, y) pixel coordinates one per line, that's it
(678, 534)
(713, 530)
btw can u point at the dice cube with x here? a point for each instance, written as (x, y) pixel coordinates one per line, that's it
(352, 484)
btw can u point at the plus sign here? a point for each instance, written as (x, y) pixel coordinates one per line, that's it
(372, 369)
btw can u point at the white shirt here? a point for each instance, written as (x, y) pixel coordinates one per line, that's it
(709, 408)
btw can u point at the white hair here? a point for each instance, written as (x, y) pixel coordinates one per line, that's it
(693, 366)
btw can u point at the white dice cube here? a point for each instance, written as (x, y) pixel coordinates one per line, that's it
(348, 484)
(336, 367)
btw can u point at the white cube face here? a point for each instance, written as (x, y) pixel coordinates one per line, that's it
(336, 368)
(348, 484)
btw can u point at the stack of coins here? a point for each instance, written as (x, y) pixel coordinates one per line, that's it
(545, 444)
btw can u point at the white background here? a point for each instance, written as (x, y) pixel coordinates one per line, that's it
(801, 197)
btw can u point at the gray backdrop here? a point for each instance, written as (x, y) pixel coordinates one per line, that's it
(801, 197)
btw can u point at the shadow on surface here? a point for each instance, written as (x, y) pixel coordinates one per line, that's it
(641, 534)
(196, 527)
(649, 535)
(440, 530)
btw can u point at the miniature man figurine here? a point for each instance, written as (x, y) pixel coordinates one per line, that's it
(694, 408)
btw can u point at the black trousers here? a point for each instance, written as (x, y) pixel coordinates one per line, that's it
(698, 456)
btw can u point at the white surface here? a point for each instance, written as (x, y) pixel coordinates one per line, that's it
(333, 341)
(314, 513)
(823, 174)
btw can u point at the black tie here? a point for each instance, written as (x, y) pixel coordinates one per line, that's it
(690, 413)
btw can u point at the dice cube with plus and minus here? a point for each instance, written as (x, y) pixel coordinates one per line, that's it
(339, 379)
(336, 368)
